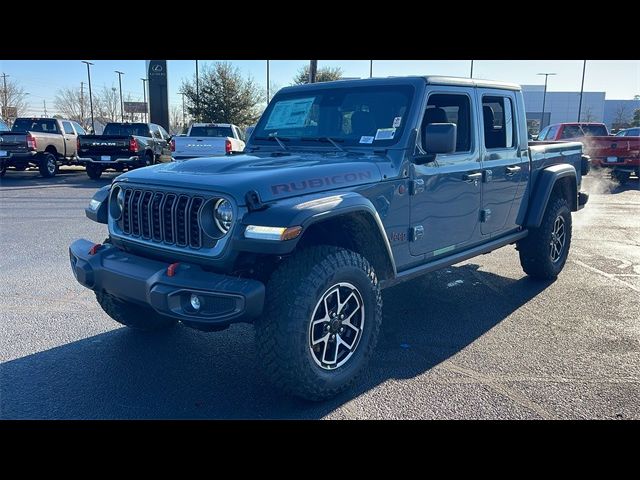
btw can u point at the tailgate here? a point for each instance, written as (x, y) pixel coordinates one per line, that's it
(14, 142)
(103, 145)
(199, 146)
(612, 146)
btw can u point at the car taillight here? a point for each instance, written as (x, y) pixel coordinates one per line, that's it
(133, 144)
(173, 145)
(31, 142)
(227, 146)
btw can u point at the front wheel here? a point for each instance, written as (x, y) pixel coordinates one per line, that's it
(131, 315)
(544, 251)
(48, 165)
(321, 322)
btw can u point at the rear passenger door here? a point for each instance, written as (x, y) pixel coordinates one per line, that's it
(504, 160)
(445, 195)
(70, 139)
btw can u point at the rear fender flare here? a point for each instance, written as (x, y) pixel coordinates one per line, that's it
(547, 179)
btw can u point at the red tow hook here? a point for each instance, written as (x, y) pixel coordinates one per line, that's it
(95, 248)
(171, 269)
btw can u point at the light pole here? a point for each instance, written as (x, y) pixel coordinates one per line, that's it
(313, 70)
(197, 92)
(144, 96)
(584, 68)
(184, 118)
(93, 127)
(370, 68)
(544, 97)
(267, 83)
(471, 74)
(121, 104)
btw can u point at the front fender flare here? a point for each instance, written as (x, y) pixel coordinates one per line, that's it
(306, 211)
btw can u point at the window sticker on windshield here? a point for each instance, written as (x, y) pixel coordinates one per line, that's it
(290, 113)
(366, 139)
(396, 122)
(385, 133)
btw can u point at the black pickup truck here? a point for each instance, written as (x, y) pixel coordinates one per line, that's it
(124, 145)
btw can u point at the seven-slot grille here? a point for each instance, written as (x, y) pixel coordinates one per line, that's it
(165, 217)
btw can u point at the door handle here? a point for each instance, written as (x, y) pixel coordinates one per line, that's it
(472, 177)
(512, 170)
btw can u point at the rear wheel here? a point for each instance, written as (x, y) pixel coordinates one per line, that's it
(48, 165)
(620, 176)
(544, 251)
(132, 315)
(94, 171)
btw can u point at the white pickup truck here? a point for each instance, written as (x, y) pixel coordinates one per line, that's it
(207, 140)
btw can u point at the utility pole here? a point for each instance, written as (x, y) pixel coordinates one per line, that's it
(6, 109)
(471, 74)
(121, 103)
(544, 97)
(144, 94)
(93, 127)
(197, 93)
(370, 68)
(82, 103)
(313, 70)
(584, 68)
(44, 102)
(267, 83)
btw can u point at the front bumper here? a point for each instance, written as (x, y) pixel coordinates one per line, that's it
(137, 279)
(113, 159)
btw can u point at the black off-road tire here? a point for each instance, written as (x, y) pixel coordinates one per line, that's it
(282, 333)
(620, 176)
(534, 249)
(3, 169)
(132, 315)
(94, 171)
(48, 165)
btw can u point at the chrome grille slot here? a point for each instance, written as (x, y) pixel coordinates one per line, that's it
(162, 217)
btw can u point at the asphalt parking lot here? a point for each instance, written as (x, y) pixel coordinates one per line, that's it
(477, 340)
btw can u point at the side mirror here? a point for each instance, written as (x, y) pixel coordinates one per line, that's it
(440, 138)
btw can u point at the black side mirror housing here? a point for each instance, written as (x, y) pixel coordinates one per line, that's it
(440, 138)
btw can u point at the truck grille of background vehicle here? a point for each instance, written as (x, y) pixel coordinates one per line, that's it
(162, 217)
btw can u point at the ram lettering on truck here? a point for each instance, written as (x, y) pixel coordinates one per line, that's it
(345, 188)
(208, 140)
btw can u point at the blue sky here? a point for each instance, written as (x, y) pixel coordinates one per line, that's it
(41, 78)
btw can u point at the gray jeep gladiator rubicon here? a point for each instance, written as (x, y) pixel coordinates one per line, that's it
(344, 188)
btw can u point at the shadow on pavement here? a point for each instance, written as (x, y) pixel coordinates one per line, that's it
(187, 374)
(66, 177)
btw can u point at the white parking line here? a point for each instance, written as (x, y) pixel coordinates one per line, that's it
(607, 275)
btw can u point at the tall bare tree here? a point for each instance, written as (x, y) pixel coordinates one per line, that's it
(175, 120)
(106, 105)
(587, 114)
(70, 104)
(15, 97)
(622, 116)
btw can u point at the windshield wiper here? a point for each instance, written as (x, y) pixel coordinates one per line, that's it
(274, 137)
(324, 139)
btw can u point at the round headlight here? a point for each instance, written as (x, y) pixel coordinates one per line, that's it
(223, 215)
(116, 204)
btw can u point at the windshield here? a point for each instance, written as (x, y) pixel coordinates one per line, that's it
(211, 131)
(351, 116)
(45, 125)
(126, 129)
(633, 132)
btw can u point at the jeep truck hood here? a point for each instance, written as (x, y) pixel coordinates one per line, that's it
(272, 177)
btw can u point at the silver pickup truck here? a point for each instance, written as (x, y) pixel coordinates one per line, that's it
(45, 143)
(208, 140)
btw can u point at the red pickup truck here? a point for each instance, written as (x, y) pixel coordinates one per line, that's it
(620, 154)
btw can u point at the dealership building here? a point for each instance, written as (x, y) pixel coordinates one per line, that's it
(563, 107)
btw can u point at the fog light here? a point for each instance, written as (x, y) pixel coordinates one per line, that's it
(195, 301)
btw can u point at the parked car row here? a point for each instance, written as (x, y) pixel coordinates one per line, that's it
(620, 153)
